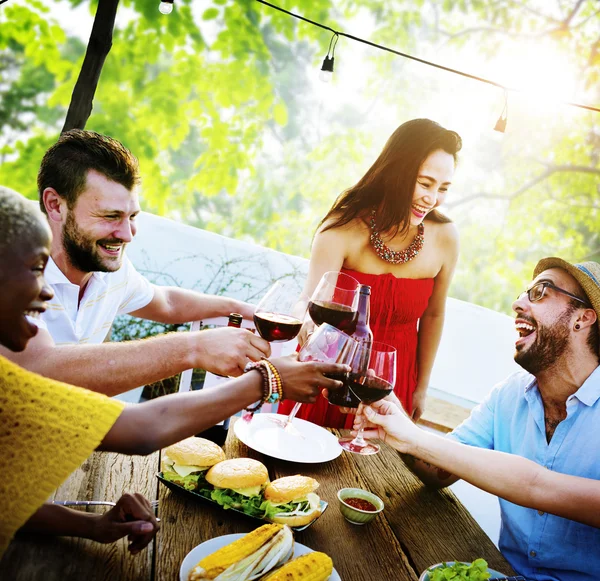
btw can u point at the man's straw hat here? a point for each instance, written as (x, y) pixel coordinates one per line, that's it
(587, 274)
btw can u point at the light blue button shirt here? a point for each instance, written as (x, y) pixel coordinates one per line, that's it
(542, 547)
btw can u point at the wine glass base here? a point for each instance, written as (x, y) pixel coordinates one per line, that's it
(365, 450)
(280, 422)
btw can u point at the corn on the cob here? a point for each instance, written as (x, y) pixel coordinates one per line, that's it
(217, 562)
(311, 567)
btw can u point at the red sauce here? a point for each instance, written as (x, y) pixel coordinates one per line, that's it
(361, 504)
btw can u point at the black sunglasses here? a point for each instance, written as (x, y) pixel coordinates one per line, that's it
(536, 293)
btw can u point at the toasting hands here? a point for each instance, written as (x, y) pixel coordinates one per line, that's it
(226, 351)
(303, 381)
(387, 421)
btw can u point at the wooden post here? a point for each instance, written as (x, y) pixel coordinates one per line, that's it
(98, 48)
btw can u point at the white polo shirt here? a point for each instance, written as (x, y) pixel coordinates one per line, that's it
(106, 295)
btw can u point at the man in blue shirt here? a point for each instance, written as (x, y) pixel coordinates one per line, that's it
(548, 413)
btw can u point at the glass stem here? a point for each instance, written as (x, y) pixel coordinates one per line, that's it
(359, 440)
(293, 413)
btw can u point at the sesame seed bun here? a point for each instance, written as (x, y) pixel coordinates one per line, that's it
(195, 452)
(238, 473)
(290, 488)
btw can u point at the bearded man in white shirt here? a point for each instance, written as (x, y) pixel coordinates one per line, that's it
(88, 190)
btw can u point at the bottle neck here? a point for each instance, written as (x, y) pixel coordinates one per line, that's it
(235, 320)
(364, 308)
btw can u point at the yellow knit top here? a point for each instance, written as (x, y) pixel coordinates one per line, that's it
(47, 429)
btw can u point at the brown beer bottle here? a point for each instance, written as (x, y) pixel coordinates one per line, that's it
(218, 433)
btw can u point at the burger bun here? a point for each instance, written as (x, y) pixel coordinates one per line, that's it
(195, 452)
(290, 488)
(238, 473)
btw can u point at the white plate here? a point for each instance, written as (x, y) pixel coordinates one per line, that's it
(305, 442)
(207, 547)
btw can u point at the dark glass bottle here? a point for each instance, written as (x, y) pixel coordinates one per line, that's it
(363, 333)
(218, 433)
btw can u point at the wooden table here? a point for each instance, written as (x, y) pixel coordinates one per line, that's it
(418, 527)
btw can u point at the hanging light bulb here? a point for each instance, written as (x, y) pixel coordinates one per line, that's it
(326, 72)
(166, 6)
(501, 123)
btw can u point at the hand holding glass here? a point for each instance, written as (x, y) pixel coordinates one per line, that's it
(372, 377)
(327, 345)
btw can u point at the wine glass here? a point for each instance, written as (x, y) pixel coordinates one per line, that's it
(328, 345)
(278, 315)
(335, 301)
(372, 377)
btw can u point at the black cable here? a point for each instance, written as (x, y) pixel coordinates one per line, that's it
(3, 1)
(414, 58)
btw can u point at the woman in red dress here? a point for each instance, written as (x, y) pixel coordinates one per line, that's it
(385, 231)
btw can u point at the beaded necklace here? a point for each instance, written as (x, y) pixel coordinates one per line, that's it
(394, 256)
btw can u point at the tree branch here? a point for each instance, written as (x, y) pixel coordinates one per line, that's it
(98, 48)
(544, 175)
(567, 21)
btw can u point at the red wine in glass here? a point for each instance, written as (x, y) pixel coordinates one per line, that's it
(372, 377)
(367, 389)
(341, 317)
(276, 328)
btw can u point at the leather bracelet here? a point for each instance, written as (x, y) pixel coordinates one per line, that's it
(266, 383)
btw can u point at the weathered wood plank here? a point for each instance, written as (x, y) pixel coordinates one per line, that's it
(431, 525)
(104, 476)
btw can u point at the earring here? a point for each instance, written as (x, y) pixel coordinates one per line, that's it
(577, 326)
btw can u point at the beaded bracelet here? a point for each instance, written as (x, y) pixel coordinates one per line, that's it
(266, 382)
(276, 385)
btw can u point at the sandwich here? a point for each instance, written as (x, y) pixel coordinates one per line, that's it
(249, 557)
(310, 567)
(186, 463)
(239, 483)
(291, 500)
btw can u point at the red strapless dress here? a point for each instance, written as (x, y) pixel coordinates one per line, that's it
(396, 306)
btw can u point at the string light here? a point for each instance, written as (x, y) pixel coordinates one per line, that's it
(501, 123)
(414, 58)
(327, 66)
(166, 6)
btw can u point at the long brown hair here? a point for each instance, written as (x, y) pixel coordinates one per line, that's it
(389, 184)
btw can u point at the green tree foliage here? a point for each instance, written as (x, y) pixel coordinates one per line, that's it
(234, 135)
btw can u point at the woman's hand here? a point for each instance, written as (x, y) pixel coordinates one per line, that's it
(388, 422)
(303, 381)
(307, 329)
(132, 517)
(418, 403)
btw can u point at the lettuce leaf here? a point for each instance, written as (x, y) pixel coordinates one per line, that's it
(192, 482)
(271, 510)
(457, 571)
(228, 498)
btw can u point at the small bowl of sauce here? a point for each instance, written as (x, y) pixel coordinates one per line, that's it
(359, 506)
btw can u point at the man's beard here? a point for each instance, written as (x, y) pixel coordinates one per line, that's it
(83, 252)
(549, 345)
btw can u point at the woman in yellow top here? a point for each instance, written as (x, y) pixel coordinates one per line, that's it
(48, 428)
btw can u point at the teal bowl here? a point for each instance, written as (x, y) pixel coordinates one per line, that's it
(355, 515)
(425, 576)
